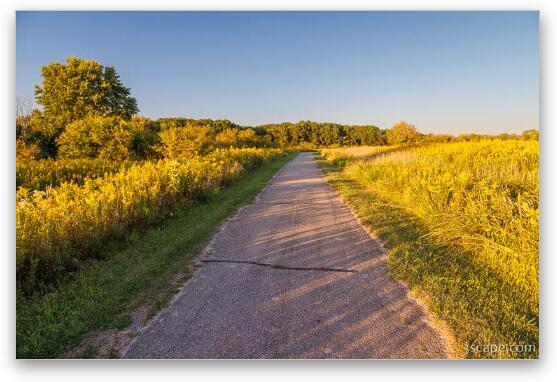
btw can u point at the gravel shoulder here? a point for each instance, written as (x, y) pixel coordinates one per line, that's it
(292, 275)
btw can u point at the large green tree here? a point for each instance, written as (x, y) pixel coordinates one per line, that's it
(77, 89)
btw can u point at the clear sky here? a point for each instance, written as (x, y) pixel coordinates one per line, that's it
(446, 72)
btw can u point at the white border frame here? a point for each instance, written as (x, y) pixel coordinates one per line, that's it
(10, 369)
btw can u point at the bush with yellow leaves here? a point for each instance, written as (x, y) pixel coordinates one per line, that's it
(61, 227)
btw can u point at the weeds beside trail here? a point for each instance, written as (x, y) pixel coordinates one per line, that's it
(460, 221)
(62, 228)
(48, 325)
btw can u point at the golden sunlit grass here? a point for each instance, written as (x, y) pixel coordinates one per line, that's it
(462, 227)
(60, 228)
(39, 174)
(143, 270)
(340, 156)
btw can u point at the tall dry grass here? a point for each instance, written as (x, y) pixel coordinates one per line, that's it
(477, 204)
(58, 229)
(483, 196)
(43, 173)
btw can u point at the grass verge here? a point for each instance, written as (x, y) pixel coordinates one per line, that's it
(149, 268)
(479, 307)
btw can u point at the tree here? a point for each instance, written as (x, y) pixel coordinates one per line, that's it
(402, 132)
(184, 142)
(315, 134)
(227, 137)
(531, 135)
(470, 137)
(77, 89)
(25, 152)
(97, 137)
(114, 140)
(25, 149)
(248, 138)
(145, 136)
(23, 111)
(279, 133)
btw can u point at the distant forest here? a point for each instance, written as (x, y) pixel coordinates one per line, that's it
(86, 112)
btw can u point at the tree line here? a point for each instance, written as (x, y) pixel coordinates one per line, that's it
(86, 112)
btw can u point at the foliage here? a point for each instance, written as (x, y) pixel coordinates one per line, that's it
(25, 152)
(215, 126)
(288, 134)
(184, 142)
(23, 110)
(60, 228)
(364, 135)
(237, 138)
(150, 262)
(531, 135)
(220, 133)
(145, 134)
(402, 132)
(184, 138)
(76, 89)
(111, 138)
(39, 174)
(23, 127)
(96, 137)
(248, 138)
(228, 137)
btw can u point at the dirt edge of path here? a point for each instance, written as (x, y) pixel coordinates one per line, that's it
(114, 343)
(440, 326)
(134, 330)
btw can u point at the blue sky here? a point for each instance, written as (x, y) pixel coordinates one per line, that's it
(446, 72)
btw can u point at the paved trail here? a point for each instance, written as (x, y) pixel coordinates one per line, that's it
(293, 275)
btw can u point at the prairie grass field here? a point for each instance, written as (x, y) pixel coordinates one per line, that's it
(144, 270)
(40, 174)
(462, 229)
(63, 227)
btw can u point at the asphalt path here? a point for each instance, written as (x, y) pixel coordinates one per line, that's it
(292, 275)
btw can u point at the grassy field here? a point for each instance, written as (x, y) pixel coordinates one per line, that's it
(60, 229)
(144, 270)
(461, 224)
(40, 174)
